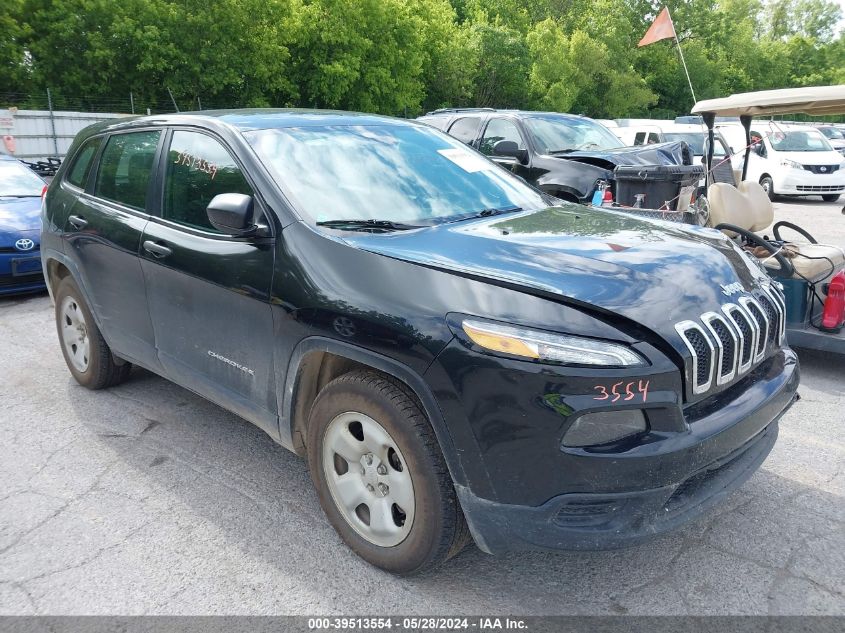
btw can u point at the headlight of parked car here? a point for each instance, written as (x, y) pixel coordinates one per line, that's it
(791, 163)
(546, 346)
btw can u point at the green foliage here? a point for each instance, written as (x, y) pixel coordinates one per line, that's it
(403, 56)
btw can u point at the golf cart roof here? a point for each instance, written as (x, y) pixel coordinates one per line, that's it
(812, 100)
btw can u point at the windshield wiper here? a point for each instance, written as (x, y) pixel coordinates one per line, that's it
(367, 225)
(485, 213)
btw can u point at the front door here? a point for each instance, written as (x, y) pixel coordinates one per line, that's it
(208, 292)
(103, 229)
(499, 129)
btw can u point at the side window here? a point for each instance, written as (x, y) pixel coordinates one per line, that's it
(719, 148)
(465, 129)
(499, 130)
(198, 168)
(126, 168)
(78, 173)
(653, 138)
(639, 138)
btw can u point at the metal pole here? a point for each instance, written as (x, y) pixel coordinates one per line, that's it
(132, 102)
(53, 123)
(199, 103)
(172, 99)
(681, 53)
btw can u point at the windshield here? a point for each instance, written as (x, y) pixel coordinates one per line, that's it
(799, 141)
(832, 132)
(402, 173)
(17, 180)
(694, 139)
(553, 134)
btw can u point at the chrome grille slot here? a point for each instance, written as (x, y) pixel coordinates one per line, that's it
(760, 322)
(703, 353)
(747, 339)
(727, 346)
(779, 304)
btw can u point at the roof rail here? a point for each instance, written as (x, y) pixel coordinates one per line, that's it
(442, 110)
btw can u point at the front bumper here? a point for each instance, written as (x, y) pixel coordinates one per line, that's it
(20, 272)
(803, 182)
(650, 489)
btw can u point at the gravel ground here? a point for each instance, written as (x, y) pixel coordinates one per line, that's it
(147, 499)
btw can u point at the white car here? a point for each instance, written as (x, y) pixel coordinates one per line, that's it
(793, 160)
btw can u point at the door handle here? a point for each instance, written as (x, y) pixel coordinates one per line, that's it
(77, 222)
(156, 250)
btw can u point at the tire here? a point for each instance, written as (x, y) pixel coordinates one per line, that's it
(830, 197)
(768, 186)
(86, 353)
(430, 528)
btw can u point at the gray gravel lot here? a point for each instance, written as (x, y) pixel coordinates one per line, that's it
(147, 499)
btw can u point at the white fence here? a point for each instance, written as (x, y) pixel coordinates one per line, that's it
(39, 134)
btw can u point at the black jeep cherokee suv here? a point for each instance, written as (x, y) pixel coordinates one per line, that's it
(453, 355)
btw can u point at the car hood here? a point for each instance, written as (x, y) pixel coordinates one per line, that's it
(655, 273)
(671, 153)
(20, 214)
(812, 158)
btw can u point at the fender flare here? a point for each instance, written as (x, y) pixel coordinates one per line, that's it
(57, 256)
(382, 363)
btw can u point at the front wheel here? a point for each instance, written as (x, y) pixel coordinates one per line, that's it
(768, 186)
(86, 353)
(380, 476)
(830, 197)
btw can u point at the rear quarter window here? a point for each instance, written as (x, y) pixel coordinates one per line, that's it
(77, 175)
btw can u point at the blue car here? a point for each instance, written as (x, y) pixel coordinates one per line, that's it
(20, 228)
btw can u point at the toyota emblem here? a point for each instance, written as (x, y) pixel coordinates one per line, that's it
(822, 169)
(24, 244)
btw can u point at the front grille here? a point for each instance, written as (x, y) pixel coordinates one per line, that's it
(733, 340)
(821, 169)
(821, 188)
(12, 249)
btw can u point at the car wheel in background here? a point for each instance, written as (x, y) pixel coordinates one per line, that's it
(768, 186)
(380, 476)
(830, 197)
(86, 353)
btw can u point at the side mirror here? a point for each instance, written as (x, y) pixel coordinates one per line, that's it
(231, 213)
(510, 149)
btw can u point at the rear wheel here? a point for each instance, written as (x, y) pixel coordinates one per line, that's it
(830, 197)
(768, 186)
(86, 353)
(380, 475)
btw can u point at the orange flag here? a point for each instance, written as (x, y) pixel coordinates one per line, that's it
(661, 29)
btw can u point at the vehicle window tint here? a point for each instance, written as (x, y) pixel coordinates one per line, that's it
(198, 168)
(81, 167)
(465, 129)
(639, 139)
(653, 138)
(499, 130)
(126, 167)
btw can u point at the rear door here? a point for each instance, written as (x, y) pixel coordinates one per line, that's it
(103, 229)
(208, 292)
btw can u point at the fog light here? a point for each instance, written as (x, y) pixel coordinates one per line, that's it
(607, 426)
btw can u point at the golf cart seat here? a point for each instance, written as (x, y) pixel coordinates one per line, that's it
(745, 210)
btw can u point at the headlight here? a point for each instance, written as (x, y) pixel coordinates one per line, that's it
(791, 163)
(545, 346)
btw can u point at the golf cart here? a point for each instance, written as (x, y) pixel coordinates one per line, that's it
(812, 275)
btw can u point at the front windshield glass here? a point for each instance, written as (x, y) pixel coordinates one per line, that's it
(409, 174)
(19, 181)
(832, 132)
(556, 134)
(695, 140)
(799, 141)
